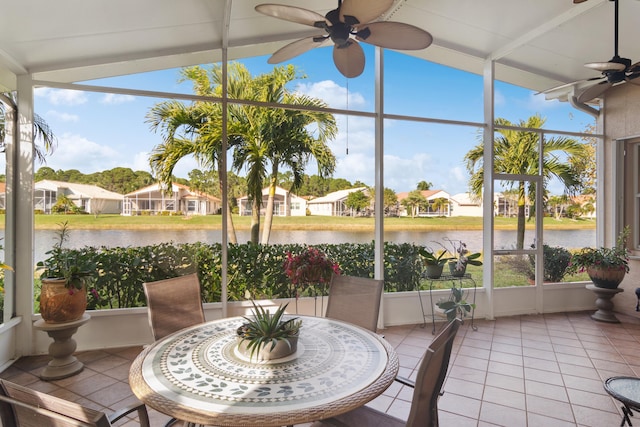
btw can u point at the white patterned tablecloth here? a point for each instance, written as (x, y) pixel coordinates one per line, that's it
(200, 369)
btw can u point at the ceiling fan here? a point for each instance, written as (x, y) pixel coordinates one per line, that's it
(345, 26)
(616, 70)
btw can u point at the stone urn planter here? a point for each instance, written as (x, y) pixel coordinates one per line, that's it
(609, 278)
(268, 336)
(283, 348)
(59, 303)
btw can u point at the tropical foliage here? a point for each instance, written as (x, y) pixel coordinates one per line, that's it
(262, 139)
(41, 131)
(255, 271)
(275, 138)
(75, 267)
(616, 257)
(516, 152)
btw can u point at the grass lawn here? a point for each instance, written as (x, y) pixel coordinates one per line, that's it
(291, 223)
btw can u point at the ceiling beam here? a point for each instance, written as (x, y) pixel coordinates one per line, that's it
(525, 38)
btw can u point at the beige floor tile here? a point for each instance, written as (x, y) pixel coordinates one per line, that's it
(545, 370)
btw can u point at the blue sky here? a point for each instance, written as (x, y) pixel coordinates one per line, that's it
(99, 132)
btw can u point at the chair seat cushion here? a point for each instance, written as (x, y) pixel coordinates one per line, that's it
(361, 417)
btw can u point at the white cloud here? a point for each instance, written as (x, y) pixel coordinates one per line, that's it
(74, 150)
(115, 99)
(537, 102)
(182, 169)
(331, 93)
(63, 117)
(498, 99)
(62, 96)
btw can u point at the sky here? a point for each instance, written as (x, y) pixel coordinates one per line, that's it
(98, 131)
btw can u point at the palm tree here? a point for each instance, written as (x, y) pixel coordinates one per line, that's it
(273, 138)
(516, 152)
(41, 130)
(413, 201)
(189, 130)
(440, 203)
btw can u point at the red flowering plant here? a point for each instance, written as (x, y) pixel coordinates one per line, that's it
(311, 267)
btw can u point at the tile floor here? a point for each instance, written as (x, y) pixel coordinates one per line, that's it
(542, 370)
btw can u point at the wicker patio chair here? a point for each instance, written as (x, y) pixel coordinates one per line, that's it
(23, 407)
(427, 387)
(355, 300)
(173, 304)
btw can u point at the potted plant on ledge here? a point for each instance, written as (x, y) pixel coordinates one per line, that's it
(433, 261)
(461, 258)
(268, 336)
(65, 276)
(606, 267)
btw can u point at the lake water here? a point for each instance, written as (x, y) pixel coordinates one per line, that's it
(44, 239)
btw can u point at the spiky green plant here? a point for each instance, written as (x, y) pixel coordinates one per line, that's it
(265, 328)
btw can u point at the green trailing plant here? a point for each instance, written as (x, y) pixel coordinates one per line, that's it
(265, 328)
(76, 268)
(456, 304)
(616, 258)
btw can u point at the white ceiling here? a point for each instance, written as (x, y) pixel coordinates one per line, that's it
(537, 44)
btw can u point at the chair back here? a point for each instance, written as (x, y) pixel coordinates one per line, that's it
(173, 304)
(431, 376)
(23, 407)
(355, 300)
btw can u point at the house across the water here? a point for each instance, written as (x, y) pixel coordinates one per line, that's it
(181, 200)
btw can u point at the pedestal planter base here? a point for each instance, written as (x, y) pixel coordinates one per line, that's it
(604, 303)
(63, 363)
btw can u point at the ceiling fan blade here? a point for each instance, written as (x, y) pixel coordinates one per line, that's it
(291, 13)
(396, 35)
(633, 78)
(605, 66)
(349, 59)
(364, 10)
(594, 91)
(578, 1)
(296, 48)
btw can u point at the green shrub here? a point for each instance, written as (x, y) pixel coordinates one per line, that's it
(254, 271)
(555, 261)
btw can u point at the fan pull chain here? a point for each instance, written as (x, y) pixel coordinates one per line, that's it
(347, 125)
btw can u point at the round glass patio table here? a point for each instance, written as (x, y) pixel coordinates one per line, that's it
(197, 375)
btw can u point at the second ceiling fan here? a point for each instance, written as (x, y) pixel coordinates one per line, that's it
(616, 70)
(345, 26)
